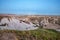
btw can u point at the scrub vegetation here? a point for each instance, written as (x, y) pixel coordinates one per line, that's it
(38, 34)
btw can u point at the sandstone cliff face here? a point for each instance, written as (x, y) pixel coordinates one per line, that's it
(29, 22)
(14, 23)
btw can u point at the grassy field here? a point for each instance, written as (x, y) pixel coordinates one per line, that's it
(39, 34)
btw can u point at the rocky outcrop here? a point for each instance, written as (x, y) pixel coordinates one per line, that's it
(15, 24)
(28, 22)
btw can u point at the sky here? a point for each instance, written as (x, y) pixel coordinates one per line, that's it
(30, 7)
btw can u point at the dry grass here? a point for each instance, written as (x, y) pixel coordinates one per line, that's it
(39, 34)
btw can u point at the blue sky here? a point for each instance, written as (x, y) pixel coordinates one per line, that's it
(30, 7)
